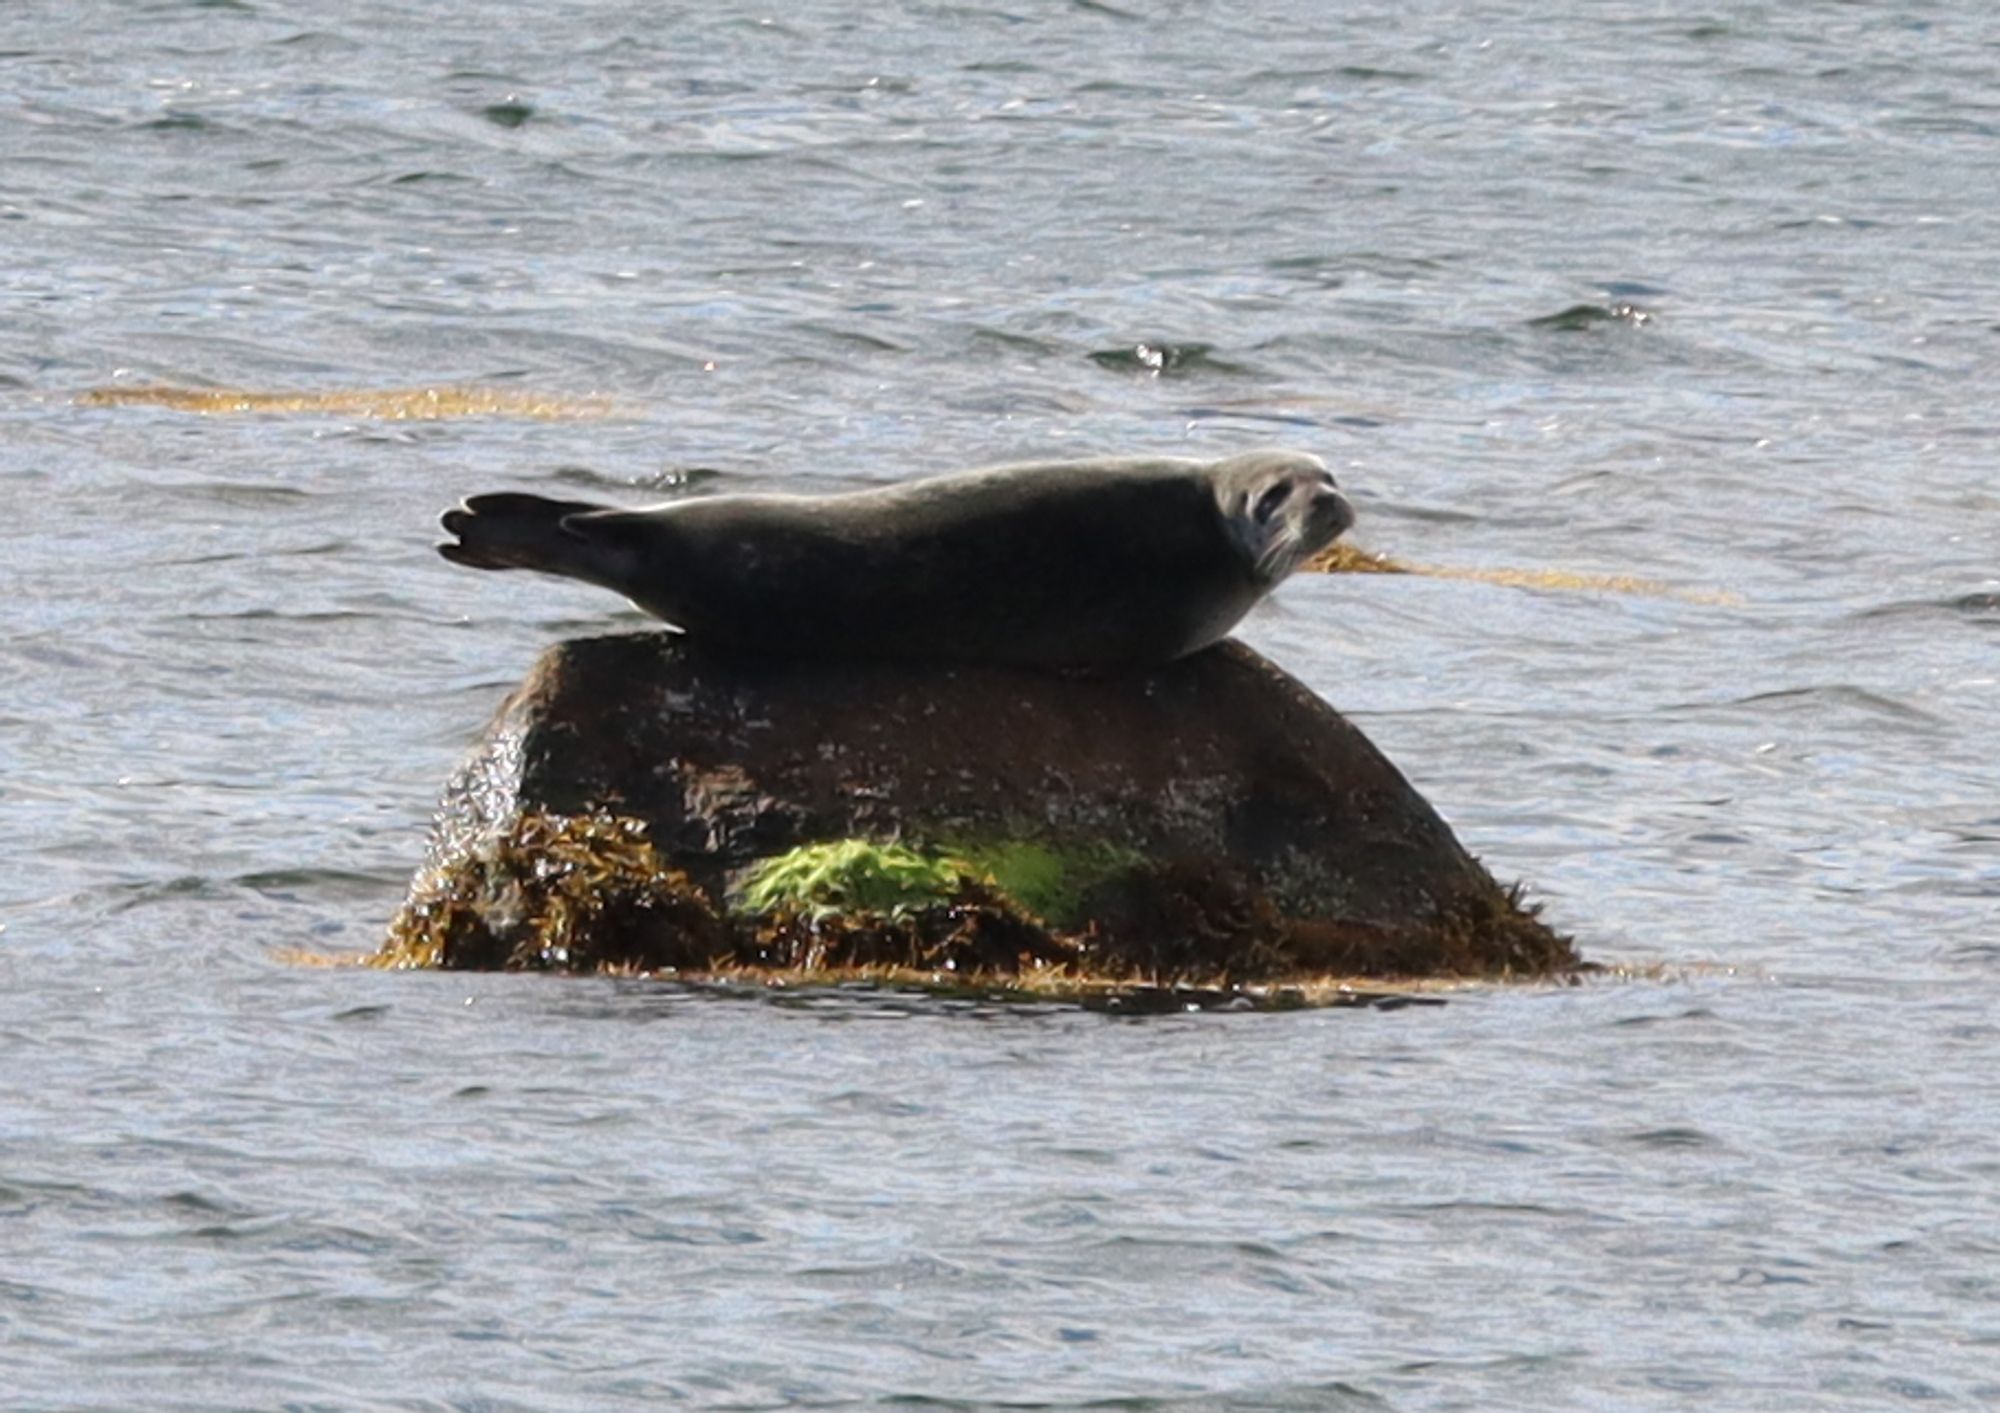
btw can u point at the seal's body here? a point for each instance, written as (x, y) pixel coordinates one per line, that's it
(1054, 564)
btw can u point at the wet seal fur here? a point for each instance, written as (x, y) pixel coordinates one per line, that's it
(1050, 564)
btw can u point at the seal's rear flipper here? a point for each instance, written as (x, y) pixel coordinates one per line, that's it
(515, 531)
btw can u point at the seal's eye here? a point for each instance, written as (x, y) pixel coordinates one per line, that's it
(1269, 502)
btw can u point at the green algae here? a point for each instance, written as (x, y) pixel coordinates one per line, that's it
(846, 877)
(1049, 881)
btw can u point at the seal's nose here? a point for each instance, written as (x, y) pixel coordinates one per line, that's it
(1332, 511)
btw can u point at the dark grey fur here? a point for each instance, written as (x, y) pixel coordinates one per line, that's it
(1054, 564)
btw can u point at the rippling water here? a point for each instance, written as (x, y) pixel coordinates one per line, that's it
(825, 245)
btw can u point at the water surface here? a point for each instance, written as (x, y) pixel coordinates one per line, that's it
(834, 245)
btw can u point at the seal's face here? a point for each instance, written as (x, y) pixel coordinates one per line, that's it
(1281, 508)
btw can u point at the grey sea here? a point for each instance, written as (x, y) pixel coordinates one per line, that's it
(1706, 297)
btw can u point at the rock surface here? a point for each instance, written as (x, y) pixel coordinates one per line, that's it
(1244, 817)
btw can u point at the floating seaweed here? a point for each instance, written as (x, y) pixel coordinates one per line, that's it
(1343, 558)
(390, 404)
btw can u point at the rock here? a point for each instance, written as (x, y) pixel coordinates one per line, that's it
(1209, 820)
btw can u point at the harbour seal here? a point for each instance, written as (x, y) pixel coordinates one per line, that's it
(1051, 564)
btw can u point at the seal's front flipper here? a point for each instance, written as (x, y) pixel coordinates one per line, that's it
(515, 531)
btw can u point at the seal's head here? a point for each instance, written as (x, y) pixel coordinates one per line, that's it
(1281, 508)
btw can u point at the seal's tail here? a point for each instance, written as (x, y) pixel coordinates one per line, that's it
(515, 531)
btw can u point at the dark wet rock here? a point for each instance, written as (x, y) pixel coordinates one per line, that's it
(1579, 317)
(1163, 359)
(510, 113)
(1208, 820)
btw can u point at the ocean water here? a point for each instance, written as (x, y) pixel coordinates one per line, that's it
(1702, 297)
